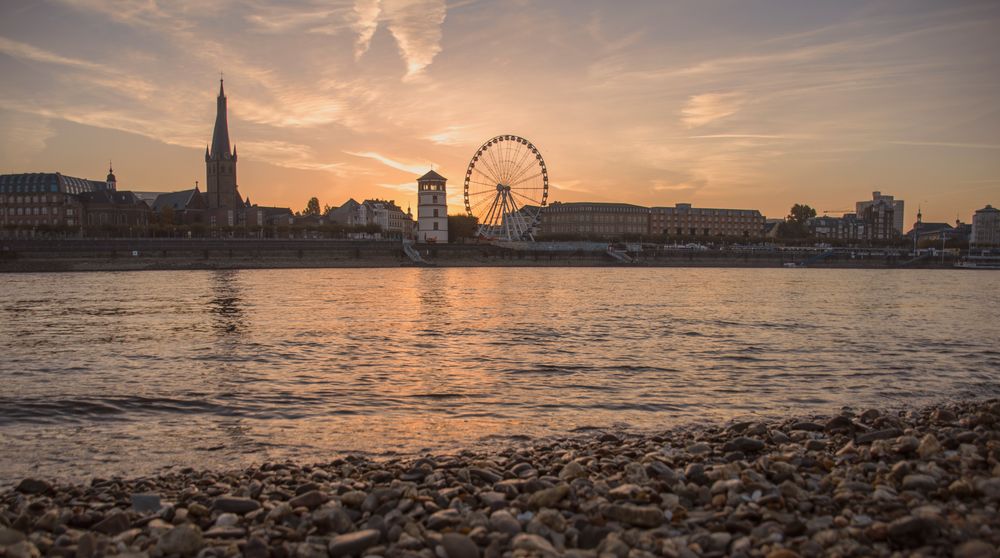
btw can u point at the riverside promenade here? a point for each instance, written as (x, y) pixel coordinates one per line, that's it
(865, 482)
(166, 254)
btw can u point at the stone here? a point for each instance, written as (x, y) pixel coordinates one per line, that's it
(185, 539)
(913, 530)
(699, 448)
(145, 503)
(975, 549)
(807, 426)
(353, 543)
(534, 544)
(227, 520)
(353, 499)
(929, 447)
(504, 522)
(743, 444)
(869, 437)
(906, 444)
(10, 536)
(86, 547)
(548, 497)
(256, 548)
(916, 481)
(573, 470)
(312, 500)
(113, 524)
(23, 549)
(444, 518)
(782, 553)
(235, 505)
(33, 486)
(640, 516)
(457, 545)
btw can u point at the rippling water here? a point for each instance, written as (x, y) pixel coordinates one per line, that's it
(128, 373)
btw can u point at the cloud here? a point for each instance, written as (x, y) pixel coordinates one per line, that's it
(364, 22)
(958, 145)
(288, 155)
(412, 168)
(416, 26)
(709, 107)
(22, 136)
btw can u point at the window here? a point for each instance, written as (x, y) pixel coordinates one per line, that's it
(434, 199)
(435, 212)
(435, 225)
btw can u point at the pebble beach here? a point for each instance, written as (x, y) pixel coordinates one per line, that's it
(865, 482)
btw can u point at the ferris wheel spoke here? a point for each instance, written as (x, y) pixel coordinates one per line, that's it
(520, 167)
(497, 161)
(531, 200)
(488, 177)
(480, 202)
(487, 191)
(522, 171)
(536, 175)
(490, 173)
(512, 153)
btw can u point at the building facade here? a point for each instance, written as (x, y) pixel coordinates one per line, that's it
(594, 219)
(432, 208)
(47, 200)
(986, 228)
(883, 216)
(683, 220)
(617, 220)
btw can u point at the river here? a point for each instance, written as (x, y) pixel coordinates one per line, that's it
(136, 372)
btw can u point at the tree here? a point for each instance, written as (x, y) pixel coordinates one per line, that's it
(796, 223)
(462, 226)
(312, 208)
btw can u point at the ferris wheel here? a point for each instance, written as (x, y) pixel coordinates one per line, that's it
(506, 186)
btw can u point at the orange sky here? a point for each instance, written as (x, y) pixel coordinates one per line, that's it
(749, 104)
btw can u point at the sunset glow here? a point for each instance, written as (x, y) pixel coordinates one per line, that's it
(742, 104)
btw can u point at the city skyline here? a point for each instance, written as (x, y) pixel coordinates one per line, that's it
(816, 104)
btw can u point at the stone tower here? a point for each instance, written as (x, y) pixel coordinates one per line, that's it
(432, 208)
(220, 163)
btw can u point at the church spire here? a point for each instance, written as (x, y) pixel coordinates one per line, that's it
(220, 137)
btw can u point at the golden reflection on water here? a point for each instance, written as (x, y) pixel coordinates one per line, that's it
(243, 366)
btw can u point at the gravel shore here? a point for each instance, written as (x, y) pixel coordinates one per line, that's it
(862, 483)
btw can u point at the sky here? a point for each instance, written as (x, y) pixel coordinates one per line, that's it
(734, 104)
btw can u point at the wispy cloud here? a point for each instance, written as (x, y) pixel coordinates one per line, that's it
(364, 22)
(957, 145)
(411, 168)
(709, 107)
(416, 26)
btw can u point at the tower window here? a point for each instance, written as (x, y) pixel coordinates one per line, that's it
(435, 225)
(435, 212)
(434, 199)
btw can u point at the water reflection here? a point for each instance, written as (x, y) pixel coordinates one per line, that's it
(221, 368)
(226, 303)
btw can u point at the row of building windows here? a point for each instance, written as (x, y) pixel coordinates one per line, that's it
(32, 199)
(31, 211)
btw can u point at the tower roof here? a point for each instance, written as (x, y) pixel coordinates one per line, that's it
(220, 136)
(431, 175)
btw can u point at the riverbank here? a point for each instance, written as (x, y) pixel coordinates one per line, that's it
(71, 255)
(863, 483)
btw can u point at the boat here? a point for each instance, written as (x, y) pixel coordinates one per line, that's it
(991, 261)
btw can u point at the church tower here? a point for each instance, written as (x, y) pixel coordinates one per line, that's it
(220, 163)
(432, 209)
(111, 183)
